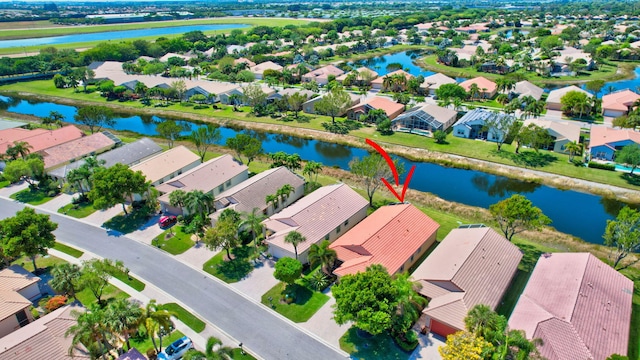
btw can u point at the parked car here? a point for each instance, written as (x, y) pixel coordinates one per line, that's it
(177, 349)
(167, 221)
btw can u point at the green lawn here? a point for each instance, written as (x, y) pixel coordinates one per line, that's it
(239, 355)
(68, 250)
(110, 292)
(234, 270)
(634, 333)
(35, 197)
(379, 347)
(143, 343)
(78, 211)
(176, 243)
(44, 263)
(127, 223)
(307, 302)
(4, 183)
(129, 280)
(186, 317)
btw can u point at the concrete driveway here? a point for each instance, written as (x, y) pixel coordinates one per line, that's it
(428, 347)
(323, 325)
(259, 281)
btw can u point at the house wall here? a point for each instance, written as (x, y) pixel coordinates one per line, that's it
(258, 75)
(31, 292)
(461, 131)
(601, 152)
(428, 242)
(309, 106)
(554, 106)
(10, 324)
(559, 145)
(396, 114)
(293, 197)
(447, 124)
(613, 113)
(376, 85)
(176, 173)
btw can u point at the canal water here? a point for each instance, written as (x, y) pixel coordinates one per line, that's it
(579, 214)
(115, 35)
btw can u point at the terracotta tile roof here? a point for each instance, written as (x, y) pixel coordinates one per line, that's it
(74, 149)
(43, 339)
(577, 305)
(602, 135)
(483, 83)
(252, 192)
(11, 302)
(205, 177)
(166, 163)
(470, 266)
(315, 215)
(380, 80)
(39, 139)
(389, 236)
(556, 95)
(390, 107)
(16, 278)
(619, 100)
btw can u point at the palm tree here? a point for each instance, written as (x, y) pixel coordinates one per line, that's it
(573, 148)
(198, 202)
(253, 222)
(54, 117)
(294, 238)
(21, 148)
(502, 99)
(481, 320)
(272, 199)
(156, 321)
(457, 104)
(312, 168)
(78, 178)
(177, 198)
(285, 191)
(410, 303)
(89, 330)
(474, 91)
(65, 278)
(321, 254)
(235, 99)
(222, 352)
(123, 317)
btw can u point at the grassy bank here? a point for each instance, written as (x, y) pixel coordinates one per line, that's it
(411, 146)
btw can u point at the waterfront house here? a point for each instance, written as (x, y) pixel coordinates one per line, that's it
(74, 150)
(562, 132)
(424, 120)
(605, 141)
(471, 266)
(619, 103)
(473, 125)
(524, 88)
(325, 214)
(577, 305)
(309, 106)
(433, 82)
(38, 139)
(486, 88)
(321, 75)
(554, 100)
(167, 165)
(391, 108)
(378, 83)
(394, 236)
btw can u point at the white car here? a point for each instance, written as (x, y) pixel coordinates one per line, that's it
(176, 350)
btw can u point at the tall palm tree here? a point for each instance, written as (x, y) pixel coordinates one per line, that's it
(65, 278)
(177, 198)
(156, 321)
(199, 202)
(285, 191)
(123, 317)
(573, 148)
(79, 178)
(21, 148)
(312, 168)
(294, 238)
(222, 352)
(321, 254)
(481, 320)
(272, 199)
(90, 330)
(474, 91)
(253, 222)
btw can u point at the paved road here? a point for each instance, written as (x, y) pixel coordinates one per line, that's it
(257, 328)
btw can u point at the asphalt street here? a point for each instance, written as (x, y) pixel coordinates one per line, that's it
(254, 325)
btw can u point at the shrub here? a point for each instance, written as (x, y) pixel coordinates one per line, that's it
(318, 280)
(408, 341)
(200, 107)
(596, 165)
(55, 303)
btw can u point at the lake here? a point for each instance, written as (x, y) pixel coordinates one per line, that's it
(115, 35)
(576, 213)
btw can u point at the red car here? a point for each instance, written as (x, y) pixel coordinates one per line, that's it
(167, 221)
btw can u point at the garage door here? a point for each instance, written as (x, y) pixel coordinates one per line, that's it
(441, 328)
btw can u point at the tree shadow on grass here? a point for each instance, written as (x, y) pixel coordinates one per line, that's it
(527, 158)
(530, 257)
(300, 293)
(127, 223)
(239, 267)
(631, 179)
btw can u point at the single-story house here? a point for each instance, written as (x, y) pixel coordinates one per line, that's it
(324, 214)
(309, 106)
(210, 89)
(211, 177)
(184, 57)
(391, 108)
(555, 96)
(394, 236)
(251, 193)
(321, 75)
(487, 88)
(619, 103)
(605, 141)
(472, 125)
(562, 132)
(433, 82)
(167, 165)
(277, 95)
(225, 98)
(259, 69)
(38, 139)
(244, 60)
(18, 289)
(471, 266)
(429, 118)
(378, 83)
(128, 154)
(44, 338)
(524, 88)
(74, 150)
(361, 71)
(577, 305)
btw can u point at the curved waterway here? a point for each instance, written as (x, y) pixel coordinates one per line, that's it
(576, 213)
(115, 35)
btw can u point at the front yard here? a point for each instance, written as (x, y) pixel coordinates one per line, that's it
(78, 211)
(367, 347)
(174, 240)
(32, 197)
(306, 301)
(231, 271)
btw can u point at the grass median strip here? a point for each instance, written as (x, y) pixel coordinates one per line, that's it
(68, 250)
(185, 316)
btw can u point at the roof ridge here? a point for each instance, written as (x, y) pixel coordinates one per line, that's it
(334, 188)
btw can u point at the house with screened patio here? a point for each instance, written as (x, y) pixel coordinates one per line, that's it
(424, 120)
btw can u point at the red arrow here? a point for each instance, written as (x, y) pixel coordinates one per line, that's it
(392, 166)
